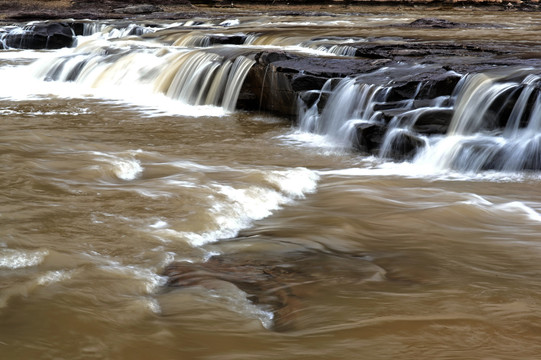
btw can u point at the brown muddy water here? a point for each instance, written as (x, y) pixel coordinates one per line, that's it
(106, 180)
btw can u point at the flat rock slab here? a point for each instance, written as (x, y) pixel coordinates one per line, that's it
(139, 9)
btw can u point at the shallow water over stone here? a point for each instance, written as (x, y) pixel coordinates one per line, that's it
(296, 247)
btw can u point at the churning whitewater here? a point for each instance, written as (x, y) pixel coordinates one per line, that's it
(159, 197)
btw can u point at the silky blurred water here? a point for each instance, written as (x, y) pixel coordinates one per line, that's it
(101, 188)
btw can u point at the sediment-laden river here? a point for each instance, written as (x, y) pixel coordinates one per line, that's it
(118, 158)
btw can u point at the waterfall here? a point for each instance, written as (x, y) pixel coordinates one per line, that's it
(495, 126)
(490, 121)
(349, 104)
(194, 77)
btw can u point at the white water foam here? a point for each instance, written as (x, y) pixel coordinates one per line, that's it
(416, 171)
(79, 111)
(55, 276)
(141, 96)
(123, 165)
(520, 208)
(295, 182)
(17, 259)
(230, 22)
(235, 207)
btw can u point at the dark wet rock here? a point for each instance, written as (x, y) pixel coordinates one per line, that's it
(410, 73)
(310, 97)
(439, 85)
(278, 77)
(433, 121)
(302, 82)
(437, 23)
(278, 282)
(425, 51)
(403, 145)
(325, 67)
(236, 39)
(369, 137)
(41, 36)
(78, 28)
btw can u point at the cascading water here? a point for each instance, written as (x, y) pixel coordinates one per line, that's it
(349, 104)
(495, 125)
(194, 77)
(495, 122)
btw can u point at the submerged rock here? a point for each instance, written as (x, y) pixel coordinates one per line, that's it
(435, 23)
(278, 282)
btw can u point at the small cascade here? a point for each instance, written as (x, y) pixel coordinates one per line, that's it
(194, 77)
(487, 121)
(94, 27)
(495, 126)
(349, 104)
(374, 118)
(332, 46)
(193, 39)
(114, 32)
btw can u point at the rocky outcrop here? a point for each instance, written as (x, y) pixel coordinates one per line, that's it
(418, 80)
(40, 36)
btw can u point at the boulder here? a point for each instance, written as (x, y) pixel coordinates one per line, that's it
(433, 121)
(403, 145)
(41, 36)
(368, 137)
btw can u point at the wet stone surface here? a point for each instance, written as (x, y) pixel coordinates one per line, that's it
(278, 282)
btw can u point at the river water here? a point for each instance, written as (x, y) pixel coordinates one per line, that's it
(106, 180)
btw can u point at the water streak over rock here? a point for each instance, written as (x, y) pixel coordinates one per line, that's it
(40, 36)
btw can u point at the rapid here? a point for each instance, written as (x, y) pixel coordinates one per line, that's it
(126, 153)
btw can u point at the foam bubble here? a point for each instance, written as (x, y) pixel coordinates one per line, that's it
(123, 165)
(159, 224)
(127, 169)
